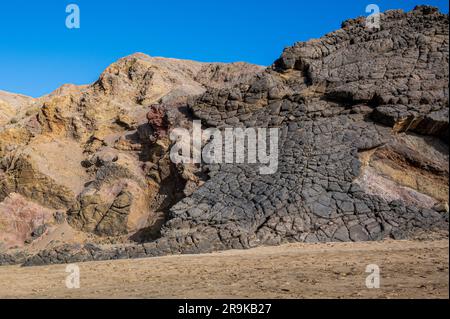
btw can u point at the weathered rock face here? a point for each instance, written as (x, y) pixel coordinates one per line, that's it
(329, 98)
(400, 69)
(90, 151)
(11, 106)
(410, 168)
(362, 117)
(19, 217)
(117, 202)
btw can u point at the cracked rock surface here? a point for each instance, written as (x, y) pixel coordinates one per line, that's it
(330, 98)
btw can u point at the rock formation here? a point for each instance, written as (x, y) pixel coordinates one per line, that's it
(363, 154)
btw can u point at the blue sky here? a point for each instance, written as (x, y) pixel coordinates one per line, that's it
(38, 53)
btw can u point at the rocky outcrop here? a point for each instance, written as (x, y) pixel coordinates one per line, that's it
(116, 203)
(19, 217)
(12, 107)
(100, 152)
(326, 96)
(398, 69)
(362, 117)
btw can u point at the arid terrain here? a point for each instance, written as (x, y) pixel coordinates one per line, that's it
(408, 269)
(360, 123)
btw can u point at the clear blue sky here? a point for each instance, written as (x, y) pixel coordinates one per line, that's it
(38, 53)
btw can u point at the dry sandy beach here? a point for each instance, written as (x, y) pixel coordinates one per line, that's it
(409, 269)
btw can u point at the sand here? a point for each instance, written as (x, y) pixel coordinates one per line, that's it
(408, 269)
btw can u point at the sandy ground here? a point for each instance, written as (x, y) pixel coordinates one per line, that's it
(408, 269)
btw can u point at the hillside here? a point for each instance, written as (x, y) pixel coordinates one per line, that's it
(362, 116)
